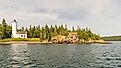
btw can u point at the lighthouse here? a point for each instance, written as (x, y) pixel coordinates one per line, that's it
(15, 33)
(14, 28)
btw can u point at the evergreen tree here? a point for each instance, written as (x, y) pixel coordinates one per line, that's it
(38, 31)
(22, 29)
(41, 36)
(55, 30)
(30, 32)
(4, 26)
(33, 32)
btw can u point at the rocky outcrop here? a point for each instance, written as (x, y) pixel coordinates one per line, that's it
(71, 38)
(58, 39)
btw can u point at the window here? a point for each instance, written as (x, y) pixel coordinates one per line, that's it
(21, 35)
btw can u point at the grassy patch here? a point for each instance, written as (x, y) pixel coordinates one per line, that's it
(21, 39)
(34, 39)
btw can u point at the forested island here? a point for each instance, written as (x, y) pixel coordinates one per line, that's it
(53, 33)
(112, 38)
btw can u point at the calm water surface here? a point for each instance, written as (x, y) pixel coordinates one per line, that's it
(61, 56)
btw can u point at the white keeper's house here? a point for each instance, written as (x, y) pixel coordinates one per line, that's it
(15, 33)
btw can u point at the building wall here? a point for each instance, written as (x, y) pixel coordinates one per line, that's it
(14, 28)
(20, 36)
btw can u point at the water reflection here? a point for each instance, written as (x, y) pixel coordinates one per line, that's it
(18, 54)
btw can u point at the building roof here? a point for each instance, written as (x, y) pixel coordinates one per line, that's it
(20, 32)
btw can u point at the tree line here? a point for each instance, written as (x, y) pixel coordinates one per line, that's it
(46, 32)
(112, 38)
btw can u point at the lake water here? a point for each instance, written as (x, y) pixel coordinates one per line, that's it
(61, 56)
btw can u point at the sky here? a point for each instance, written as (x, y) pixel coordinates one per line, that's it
(101, 16)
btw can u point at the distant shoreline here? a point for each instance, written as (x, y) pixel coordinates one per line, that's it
(112, 38)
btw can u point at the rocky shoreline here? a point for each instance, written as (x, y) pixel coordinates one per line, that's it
(25, 43)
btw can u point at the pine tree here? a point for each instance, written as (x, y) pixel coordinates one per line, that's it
(41, 36)
(4, 26)
(33, 32)
(30, 32)
(22, 29)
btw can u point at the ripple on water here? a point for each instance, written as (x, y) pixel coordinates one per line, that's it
(68, 56)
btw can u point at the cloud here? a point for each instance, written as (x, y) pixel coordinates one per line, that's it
(39, 10)
(96, 14)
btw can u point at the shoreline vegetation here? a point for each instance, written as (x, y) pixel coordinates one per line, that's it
(49, 34)
(28, 41)
(112, 38)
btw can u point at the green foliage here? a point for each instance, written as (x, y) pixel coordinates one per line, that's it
(112, 38)
(87, 34)
(33, 39)
(5, 30)
(13, 39)
(21, 39)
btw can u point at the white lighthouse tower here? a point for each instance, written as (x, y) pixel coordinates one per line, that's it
(14, 28)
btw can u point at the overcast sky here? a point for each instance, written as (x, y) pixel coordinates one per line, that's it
(102, 16)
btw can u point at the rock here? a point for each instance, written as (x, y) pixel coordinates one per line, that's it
(58, 39)
(73, 37)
